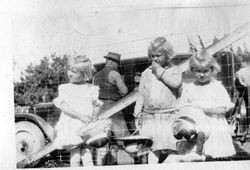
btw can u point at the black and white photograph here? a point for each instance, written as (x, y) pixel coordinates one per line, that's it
(130, 83)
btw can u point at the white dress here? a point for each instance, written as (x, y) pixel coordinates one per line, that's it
(244, 75)
(155, 95)
(80, 98)
(219, 142)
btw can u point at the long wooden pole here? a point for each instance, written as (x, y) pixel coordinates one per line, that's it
(116, 107)
(229, 39)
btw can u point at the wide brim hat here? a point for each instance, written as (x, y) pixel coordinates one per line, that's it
(98, 140)
(113, 56)
(136, 143)
(184, 127)
(189, 121)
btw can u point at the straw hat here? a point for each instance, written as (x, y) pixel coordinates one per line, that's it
(184, 127)
(133, 144)
(189, 121)
(113, 56)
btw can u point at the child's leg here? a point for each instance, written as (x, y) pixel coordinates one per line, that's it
(86, 157)
(113, 149)
(153, 157)
(247, 103)
(165, 153)
(159, 156)
(200, 142)
(75, 157)
(100, 156)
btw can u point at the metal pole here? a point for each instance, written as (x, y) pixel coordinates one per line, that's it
(233, 74)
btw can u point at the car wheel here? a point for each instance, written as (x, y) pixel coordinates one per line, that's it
(29, 139)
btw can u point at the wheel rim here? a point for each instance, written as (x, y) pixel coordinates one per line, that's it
(29, 139)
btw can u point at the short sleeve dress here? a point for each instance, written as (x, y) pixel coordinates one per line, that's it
(219, 142)
(82, 99)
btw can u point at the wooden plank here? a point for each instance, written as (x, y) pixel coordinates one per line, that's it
(229, 39)
(33, 158)
(226, 41)
(114, 108)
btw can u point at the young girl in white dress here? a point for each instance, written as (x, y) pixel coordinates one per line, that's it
(78, 101)
(209, 95)
(159, 91)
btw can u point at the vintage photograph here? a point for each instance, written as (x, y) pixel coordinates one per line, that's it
(136, 82)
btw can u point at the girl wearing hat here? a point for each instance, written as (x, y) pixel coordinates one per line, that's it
(78, 101)
(208, 96)
(159, 90)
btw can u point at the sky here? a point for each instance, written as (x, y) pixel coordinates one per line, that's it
(95, 27)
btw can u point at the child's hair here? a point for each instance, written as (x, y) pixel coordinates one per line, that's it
(162, 45)
(82, 64)
(202, 59)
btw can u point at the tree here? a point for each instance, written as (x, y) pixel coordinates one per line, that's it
(246, 53)
(239, 51)
(192, 48)
(39, 83)
(201, 42)
(215, 40)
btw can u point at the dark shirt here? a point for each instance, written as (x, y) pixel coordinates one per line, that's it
(111, 84)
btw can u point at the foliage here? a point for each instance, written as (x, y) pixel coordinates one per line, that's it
(246, 57)
(192, 48)
(215, 40)
(201, 42)
(39, 83)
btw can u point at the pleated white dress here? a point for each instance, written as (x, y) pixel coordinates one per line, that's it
(80, 98)
(219, 142)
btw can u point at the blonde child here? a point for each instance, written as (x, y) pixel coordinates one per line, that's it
(209, 97)
(159, 90)
(78, 101)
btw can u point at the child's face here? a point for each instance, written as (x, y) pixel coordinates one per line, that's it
(202, 75)
(74, 75)
(159, 58)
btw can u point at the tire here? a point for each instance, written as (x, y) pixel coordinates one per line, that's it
(29, 139)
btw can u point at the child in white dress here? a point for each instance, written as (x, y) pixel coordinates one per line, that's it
(159, 91)
(78, 101)
(209, 95)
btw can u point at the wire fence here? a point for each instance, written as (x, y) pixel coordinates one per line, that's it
(131, 70)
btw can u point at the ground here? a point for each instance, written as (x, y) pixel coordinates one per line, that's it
(242, 150)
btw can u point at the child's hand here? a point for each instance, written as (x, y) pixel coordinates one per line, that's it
(137, 114)
(155, 66)
(94, 118)
(188, 105)
(85, 119)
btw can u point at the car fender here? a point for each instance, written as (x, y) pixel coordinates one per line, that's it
(48, 131)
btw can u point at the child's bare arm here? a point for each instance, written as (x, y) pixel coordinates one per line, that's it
(138, 106)
(140, 99)
(223, 102)
(171, 77)
(72, 113)
(208, 110)
(96, 111)
(221, 110)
